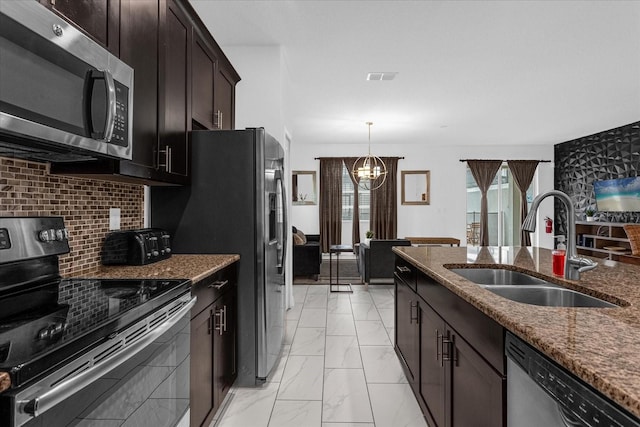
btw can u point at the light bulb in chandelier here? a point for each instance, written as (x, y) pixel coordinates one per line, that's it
(369, 171)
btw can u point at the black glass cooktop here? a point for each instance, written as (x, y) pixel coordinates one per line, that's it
(44, 325)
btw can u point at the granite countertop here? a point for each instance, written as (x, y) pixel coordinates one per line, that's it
(599, 345)
(193, 267)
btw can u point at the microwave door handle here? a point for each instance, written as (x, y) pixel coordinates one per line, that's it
(110, 120)
(110, 115)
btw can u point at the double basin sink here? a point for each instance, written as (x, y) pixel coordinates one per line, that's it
(528, 289)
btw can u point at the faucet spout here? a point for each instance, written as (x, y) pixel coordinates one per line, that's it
(573, 264)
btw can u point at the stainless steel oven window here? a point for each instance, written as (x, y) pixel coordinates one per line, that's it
(148, 390)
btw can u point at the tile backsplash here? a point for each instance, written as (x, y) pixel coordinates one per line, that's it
(28, 189)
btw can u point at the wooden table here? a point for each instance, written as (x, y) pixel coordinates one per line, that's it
(337, 249)
(434, 241)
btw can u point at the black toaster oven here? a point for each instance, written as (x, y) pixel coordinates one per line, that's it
(136, 247)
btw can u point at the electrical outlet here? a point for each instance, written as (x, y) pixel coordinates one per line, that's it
(114, 218)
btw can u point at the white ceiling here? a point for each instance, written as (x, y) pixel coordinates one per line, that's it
(469, 72)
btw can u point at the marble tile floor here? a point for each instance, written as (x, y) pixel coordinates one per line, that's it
(337, 368)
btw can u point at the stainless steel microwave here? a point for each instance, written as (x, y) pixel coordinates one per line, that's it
(63, 97)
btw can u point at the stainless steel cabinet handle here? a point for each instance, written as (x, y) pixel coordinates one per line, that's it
(448, 341)
(217, 119)
(218, 284)
(413, 304)
(221, 315)
(167, 159)
(224, 318)
(403, 269)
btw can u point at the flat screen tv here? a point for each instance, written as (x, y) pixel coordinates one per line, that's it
(618, 195)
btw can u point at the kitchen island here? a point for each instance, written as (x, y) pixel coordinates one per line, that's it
(601, 346)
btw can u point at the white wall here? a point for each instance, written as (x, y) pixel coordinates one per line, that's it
(260, 93)
(446, 214)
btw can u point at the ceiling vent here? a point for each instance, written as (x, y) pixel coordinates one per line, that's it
(381, 75)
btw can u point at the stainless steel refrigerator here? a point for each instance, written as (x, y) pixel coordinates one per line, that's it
(236, 204)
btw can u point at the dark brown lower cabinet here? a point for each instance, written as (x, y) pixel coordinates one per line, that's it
(213, 344)
(407, 338)
(457, 384)
(202, 403)
(224, 345)
(432, 365)
(477, 390)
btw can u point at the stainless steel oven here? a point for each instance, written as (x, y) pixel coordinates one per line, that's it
(92, 352)
(63, 97)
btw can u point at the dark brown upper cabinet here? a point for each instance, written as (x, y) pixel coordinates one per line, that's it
(174, 92)
(100, 19)
(182, 79)
(213, 83)
(202, 89)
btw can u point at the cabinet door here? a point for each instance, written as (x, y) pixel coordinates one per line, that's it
(139, 33)
(432, 364)
(98, 18)
(224, 98)
(407, 327)
(224, 345)
(175, 91)
(477, 390)
(202, 399)
(202, 70)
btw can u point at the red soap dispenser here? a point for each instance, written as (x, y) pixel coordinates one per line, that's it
(559, 255)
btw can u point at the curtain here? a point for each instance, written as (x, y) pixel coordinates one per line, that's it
(483, 172)
(294, 188)
(349, 163)
(523, 171)
(384, 203)
(330, 202)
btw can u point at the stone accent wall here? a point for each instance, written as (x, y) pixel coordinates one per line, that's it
(27, 189)
(611, 154)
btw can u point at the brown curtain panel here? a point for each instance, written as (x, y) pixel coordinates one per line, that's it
(483, 172)
(349, 163)
(294, 188)
(330, 202)
(384, 203)
(523, 171)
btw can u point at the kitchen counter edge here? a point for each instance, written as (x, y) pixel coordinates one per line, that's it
(179, 266)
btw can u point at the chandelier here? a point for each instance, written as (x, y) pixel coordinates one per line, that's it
(369, 171)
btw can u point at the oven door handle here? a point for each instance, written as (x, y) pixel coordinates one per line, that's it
(65, 389)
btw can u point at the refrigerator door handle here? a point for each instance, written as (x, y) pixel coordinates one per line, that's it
(281, 264)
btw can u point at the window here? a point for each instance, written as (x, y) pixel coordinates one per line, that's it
(503, 202)
(347, 198)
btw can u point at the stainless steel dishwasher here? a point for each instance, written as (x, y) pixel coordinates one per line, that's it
(541, 393)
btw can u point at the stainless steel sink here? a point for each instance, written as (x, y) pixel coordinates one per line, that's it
(527, 289)
(497, 276)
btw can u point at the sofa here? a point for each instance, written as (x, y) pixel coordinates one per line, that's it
(376, 260)
(307, 255)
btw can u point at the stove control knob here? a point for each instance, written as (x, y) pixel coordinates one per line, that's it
(61, 234)
(155, 253)
(167, 250)
(47, 235)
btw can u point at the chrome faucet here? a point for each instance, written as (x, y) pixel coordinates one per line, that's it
(573, 264)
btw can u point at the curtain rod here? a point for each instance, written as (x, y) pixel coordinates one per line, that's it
(343, 157)
(541, 161)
